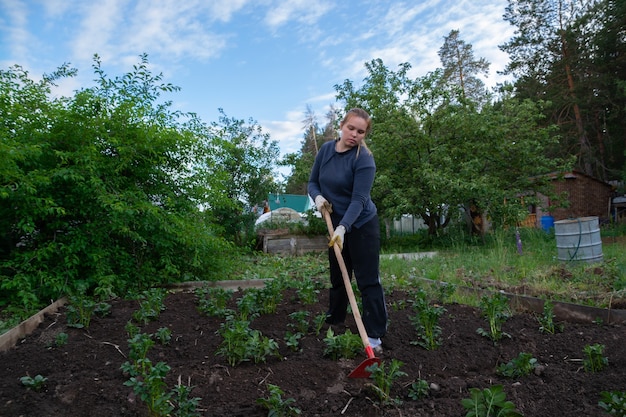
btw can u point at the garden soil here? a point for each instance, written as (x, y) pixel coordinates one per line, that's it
(84, 376)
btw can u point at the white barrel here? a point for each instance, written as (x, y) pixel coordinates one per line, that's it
(578, 239)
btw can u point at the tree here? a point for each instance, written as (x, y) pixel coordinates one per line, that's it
(435, 155)
(244, 160)
(99, 192)
(461, 68)
(561, 53)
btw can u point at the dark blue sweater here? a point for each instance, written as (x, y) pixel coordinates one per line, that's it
(346, 182)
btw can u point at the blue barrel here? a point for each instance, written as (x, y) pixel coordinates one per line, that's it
(547, 223)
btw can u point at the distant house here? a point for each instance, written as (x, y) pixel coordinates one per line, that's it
(299, 203)
(587, 196)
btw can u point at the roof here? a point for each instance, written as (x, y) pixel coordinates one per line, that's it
(299, 203)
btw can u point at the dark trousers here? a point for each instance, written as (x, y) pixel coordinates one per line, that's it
(361, 251)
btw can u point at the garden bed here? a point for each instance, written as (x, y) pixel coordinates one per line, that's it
(84, 376)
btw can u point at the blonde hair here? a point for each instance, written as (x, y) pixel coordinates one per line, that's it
(357, 112)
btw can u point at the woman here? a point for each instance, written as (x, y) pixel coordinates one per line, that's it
(342, 175)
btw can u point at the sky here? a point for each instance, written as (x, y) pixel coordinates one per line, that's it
(265, 60)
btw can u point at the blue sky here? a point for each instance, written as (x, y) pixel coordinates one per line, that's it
(265, 59)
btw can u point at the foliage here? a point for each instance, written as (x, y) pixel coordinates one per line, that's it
(489, 402)
(594, 360)
(613, 403)
(241, 343)
(150, 306)
(276, 405)
(212, 301)
(37, 383)
(292, 340)
(347, 345)
(384, 376)
(456, 154)
(546, 319)
(495, 309)
(426, 321)
(565, 52)
(163, 335)
(300, 321)
(81, 309)
(100, 192)
(523, 365)
(419, 389)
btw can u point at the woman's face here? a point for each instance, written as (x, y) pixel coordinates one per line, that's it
(353, 131)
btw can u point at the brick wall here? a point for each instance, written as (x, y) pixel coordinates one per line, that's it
(587, 197)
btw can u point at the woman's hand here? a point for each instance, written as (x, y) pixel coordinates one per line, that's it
(337, 238)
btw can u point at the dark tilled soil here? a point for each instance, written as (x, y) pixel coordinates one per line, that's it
(84, 376)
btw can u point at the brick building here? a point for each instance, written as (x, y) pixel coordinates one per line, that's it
(587, 196)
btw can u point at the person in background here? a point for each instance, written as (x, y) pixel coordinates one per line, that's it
(342, 177)
(266, 207)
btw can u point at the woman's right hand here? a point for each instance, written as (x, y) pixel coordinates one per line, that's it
(321, 203)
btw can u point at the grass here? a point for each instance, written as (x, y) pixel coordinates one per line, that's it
(491, 263)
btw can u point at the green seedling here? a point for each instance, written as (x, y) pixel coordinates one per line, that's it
(185, 405)
(241, 343)
(150, 387)
(61, 339)
(613, 403)
(213, 301)
(496, 310)
(301, 321)
(139, 346)
(318, 323)
(521, 366)
(163, 335)
(594, 360)
(546, 320)
(426, 322)
(292, 340)
(346, 345)
(131, 329)
(307, 292)
(79, 312)
(419, 389)
(384, 377)
(276, 405)
(489, 402)
(35, 383)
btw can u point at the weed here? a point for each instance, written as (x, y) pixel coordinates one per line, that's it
(35, 383)
(276, 405)
(546, 320)
(523, 365)
(594, 360)
(346, 345)
(419, 389)
(613, 403)
(496, 310)
(489, 402)
(384, 378)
